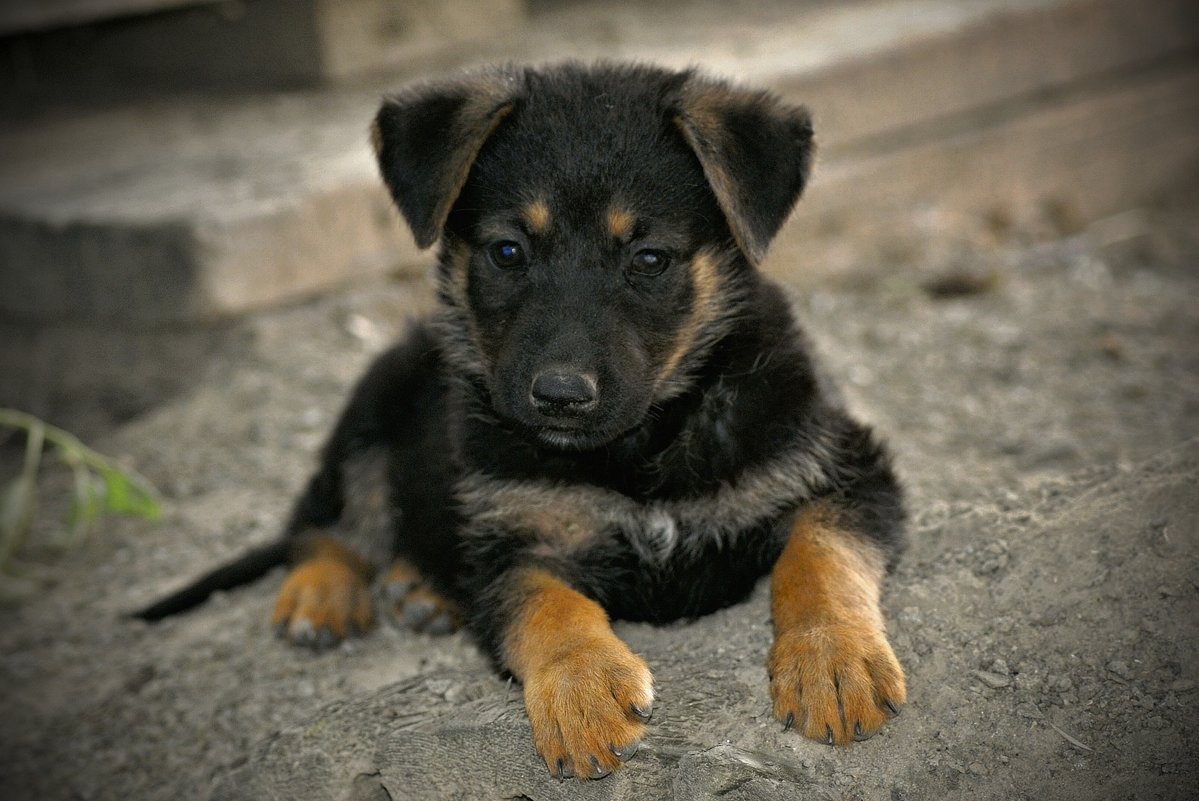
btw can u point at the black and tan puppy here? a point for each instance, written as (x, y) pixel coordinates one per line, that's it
(612, 415)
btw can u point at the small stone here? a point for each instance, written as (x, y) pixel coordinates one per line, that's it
(993, 680)
(1121, 669)
(993, 565)
(999, 666)
(978, 769)
(1182, 686)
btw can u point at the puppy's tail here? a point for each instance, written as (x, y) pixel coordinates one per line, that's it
(242, 570)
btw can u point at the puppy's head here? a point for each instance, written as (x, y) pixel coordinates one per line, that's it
(598, 228)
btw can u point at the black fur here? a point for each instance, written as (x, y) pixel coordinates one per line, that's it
(711, 425)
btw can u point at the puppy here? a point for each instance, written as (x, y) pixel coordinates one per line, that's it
(612, 414)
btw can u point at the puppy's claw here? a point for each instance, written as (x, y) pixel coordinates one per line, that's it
(627, 752)
(789, 722)
(597, 770)
(564, 771)
(828, 735)
(891, 707)
(643, 713)
(301, 631)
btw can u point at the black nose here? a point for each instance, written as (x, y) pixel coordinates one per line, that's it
(563, 392)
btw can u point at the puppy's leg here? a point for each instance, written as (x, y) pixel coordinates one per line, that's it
(344, 526)
(587, 695)
(833, 673)
(326, 597)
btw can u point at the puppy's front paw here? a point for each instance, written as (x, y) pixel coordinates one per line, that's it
(322, 601)
(588, 708)
(835, 683)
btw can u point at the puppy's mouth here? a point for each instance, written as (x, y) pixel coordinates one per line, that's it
(566, 437)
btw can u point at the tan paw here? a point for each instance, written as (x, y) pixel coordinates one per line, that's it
(588, 708)
(835, 683)
(414, 605)
(322, 601)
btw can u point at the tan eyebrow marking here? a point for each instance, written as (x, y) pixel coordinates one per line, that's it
(537, 215)
(620, 222)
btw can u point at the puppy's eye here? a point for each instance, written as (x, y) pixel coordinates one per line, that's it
(507, 255)
(649, 262)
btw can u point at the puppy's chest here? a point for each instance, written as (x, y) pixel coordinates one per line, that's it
(554, 519)
(561, 518)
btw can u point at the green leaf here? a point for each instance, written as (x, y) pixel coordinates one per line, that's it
(125, 495)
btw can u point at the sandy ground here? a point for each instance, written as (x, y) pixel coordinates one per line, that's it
(1046, 611)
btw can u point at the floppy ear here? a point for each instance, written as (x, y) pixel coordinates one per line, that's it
(755, 151)
(427, 139)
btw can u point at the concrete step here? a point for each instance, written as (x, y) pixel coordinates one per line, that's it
(196, 207)
(216, 44)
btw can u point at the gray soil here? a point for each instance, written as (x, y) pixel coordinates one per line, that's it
(1044, 422)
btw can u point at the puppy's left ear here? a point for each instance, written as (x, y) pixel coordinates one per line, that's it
(427, 139)
(756, 153)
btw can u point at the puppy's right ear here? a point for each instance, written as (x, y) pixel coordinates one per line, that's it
(427, 139)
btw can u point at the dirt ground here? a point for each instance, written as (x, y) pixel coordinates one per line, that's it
(1041, 391)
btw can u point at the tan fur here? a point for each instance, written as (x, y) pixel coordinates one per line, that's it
(705, 305)
(327, 589)
(833, 673)
(564, 519)
(458, 325)
(537, 216)
(620, 222)
(402, 573)
(583, 687)
(459, 261)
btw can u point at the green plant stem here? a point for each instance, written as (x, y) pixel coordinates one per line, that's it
(23, 492)
(63, 439)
